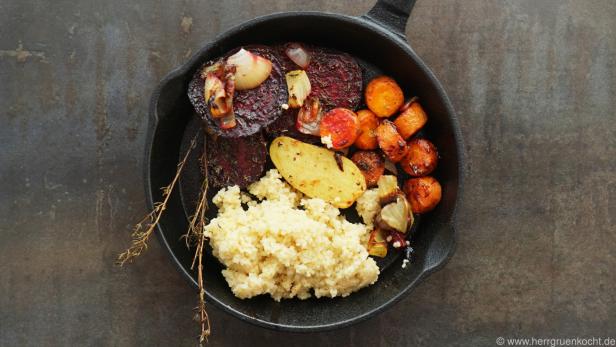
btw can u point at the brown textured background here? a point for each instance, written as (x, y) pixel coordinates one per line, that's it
(534, 84)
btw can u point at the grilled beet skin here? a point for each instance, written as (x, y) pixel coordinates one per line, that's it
(254, 108)
(235, 161)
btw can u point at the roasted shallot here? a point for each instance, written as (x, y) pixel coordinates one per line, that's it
(250, 69)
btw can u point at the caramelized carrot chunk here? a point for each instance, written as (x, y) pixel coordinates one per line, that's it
(371, 165)
(368, 122)
(390, 141)
(384, 96)
(421, 158)
(411, 120)
(424, 193)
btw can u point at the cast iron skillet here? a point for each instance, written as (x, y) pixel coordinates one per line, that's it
(376, 39)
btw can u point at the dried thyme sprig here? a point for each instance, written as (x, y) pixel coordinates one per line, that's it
(202, 316)
(144, 229)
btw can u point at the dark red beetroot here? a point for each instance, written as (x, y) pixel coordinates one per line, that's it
(234, 161)
(254, 108)
(335, 77)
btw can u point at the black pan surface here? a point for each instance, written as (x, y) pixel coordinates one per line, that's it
(376, 40)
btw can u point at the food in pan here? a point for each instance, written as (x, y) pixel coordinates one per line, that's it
(421, 157)
(390, 141)
(384, 96)
(368, 122)
(235, 161)
(423, 192)
(299, 104)
(411, 119)
(315, 172)
(299, 113)
(371, 164)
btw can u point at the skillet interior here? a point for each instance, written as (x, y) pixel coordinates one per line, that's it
(434, 240)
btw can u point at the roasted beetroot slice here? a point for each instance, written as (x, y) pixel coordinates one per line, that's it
(235, 161)
(254, 108)
(335, 77)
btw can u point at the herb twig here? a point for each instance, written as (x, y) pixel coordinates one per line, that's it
(144, 229)
(196, 229)
(202, 316)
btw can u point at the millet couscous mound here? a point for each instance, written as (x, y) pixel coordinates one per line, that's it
(287, 245)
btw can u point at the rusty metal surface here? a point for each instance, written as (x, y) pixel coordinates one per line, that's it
(533, 83)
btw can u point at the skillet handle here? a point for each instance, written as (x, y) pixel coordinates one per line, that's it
(392, 14)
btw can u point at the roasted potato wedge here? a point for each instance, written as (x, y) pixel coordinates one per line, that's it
(384, 96)
(368, 122)
(392, 144)
(411, 120)
(339, 128)
(420, 159)
(424, 193)
(313, 171)
(371, 165)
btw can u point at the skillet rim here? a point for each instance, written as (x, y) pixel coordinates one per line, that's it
(374, 26)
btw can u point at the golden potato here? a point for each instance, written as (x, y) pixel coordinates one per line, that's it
(313, 171)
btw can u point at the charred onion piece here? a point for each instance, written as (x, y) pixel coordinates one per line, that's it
(250, 69)
(377, 246)
(299, 88)
(309, 117)
(298, 54)
(388, 189)
(391, 167)
(218, 93)
(338, 158)
(396, 216)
